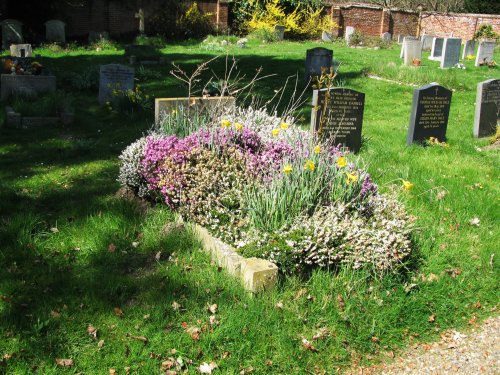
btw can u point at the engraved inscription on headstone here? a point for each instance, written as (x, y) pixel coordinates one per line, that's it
(451, 52)
(55, 31)
(485, 53)
(114, 77)
(412, 51)
(337, 116)
(437, 49)
(21, 50)
(487, 114)
(429, 113)
(12, 32)
(469, 49)
(317, 59)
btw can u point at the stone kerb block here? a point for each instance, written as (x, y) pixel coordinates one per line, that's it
(258, 274)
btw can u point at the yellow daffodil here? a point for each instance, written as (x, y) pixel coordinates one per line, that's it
(407, 185)
(310, 165)
(276, 132)
(174, 112)
(284, 125)
(287, 169)
(317, 149)
(341, 162)
(225, 123)
(238, 126)
(351, 178)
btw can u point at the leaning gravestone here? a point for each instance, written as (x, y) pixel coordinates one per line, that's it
(429, 113)
(279, 30)
(487, 114)
(21, 50)
(427, 42)
(337, 116)
(469, 49)
(55, 31)
(451, 52)
(327, 36)
(12, 32)
(437, 49)
(412, 51)
(114, 77)
(485, 53)
(386, 37)
(349, 30)
(317, 59)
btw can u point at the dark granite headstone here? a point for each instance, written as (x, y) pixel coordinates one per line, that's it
(337, 116)
(485, 52)
(437, 49)
(429, 113)
(317, 59)
(487, 115)
(451, 52)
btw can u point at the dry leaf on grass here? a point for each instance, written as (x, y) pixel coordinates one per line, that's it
(213, 320)
(176, 306)
(112, 371)
(64, 362)
(321, 334)
(212, 308)
(139, 338)
(279, 305)
(92, 331)
(119, 312)
(55, 314)
(308, 346)
(111, 248)
(207, 368)
(432, 318)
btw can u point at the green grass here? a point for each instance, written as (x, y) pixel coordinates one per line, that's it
(55, 283)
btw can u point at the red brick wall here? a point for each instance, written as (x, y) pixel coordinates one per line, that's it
(404, 23)
(461, 25)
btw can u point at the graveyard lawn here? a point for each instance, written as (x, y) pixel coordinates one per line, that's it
(92, 282)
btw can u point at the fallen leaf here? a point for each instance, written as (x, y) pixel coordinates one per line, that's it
(139, 338)
(475, 221)
(248, 370)
(269, 362)
(390, 354)
(146, 317)
(453, 272)
(476, 305)
(119, 312)
(111, 248)
(54, 230)
(207, 368)
(176, 306)
(158, 256)
(112, 371)
(55, 314)
(184, 325)
(168, 364)
(340, 301)
(92, 331)
(375, 339)
(321, 334)
(65, 362)
(212, 308)
(432, 318)
(473, 320)
(213, 320)
(279, 305)
(308, 346)
(100, 344)
(226, 355)
(194, 332)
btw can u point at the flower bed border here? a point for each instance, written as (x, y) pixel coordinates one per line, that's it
(255, 274)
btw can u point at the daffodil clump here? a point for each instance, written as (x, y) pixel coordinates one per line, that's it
(271, 190)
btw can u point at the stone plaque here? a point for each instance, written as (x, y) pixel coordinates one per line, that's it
(279, 30)
(429, 113)
(317, 59)
(402, 54)
(21, 50)
(337, 116)
(426, 42)
(451, 52)
(386, 37)
(55, 31)
(26, 85)
(485, 52)
(114, 77)
(487, 115)
(12, 32)
(437, 49)
(412, 51)
(348, 32)
(469, 49)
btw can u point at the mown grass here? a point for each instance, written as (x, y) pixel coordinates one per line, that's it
(71, 251)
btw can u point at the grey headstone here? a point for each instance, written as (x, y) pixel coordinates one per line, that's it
(12, 32)
(487, 115)
(429, 113)
(55, 31)
(451, 52)
(437, 49)
(348, 32)
(386, 37)
(95, 36)
(280, 31)
(327, 36)
(412, 51)
(21, 50)
(27, 85)
(337, 116)
(114, 77)
(317, 59)
(485, 52)
(402, 54)
(469, 49)
(426, 42)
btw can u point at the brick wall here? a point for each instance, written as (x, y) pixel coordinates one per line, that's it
(461, 25)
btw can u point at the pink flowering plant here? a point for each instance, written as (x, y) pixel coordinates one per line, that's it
(271, 190)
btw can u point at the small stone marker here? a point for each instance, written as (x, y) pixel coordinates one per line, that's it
(437, 49)
(21, 50)
(451, 52)
(412, 51)
(402, 54)
(348, 32)
(386, 37)
(469, 49)
(55, 31)
(426, 42)
(485, 52)
(141, 16)
(317, 59)
(487, 114)
(279, 30)
(429, 113)
(12, 32)
(327, 36)
(114, 77)
(337, 116)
